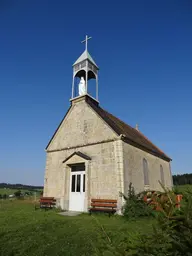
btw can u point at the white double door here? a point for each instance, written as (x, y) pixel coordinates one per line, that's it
(77, 191)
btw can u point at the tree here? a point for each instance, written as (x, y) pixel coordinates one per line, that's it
(182, 179)
(135, 206)
(5, 196)
(17, 193)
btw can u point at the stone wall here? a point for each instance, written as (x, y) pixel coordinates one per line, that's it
(102, 173)
(113, 165)
(133, 169)
(83, 130)
(81, 126)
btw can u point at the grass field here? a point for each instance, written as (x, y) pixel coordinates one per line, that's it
(24, 231)
(7, 191)
(184, 188)
(10, 191)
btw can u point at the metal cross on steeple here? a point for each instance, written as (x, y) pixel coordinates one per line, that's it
(85, 41)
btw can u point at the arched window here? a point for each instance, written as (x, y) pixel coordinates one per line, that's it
(162, 175)
(145, 172)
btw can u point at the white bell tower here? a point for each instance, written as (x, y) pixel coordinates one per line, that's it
(84, 68)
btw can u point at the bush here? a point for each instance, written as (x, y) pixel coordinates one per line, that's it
(5, 196)
(173, 233)
(171, 236)
(17, 193)
(135, 206)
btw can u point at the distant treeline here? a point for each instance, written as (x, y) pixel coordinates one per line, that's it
(179, 179)
(182, 179)
(20, 186)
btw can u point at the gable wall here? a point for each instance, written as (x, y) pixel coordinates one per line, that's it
(81, 126)
(102, 171)
(133, 169)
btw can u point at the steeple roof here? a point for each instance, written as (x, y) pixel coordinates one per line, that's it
(85, 56)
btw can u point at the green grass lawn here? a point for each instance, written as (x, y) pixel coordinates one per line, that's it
(10, 191)
(7, 191)
(184, 188)
(24, 231)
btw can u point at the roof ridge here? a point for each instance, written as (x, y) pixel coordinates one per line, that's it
(137, 132)
(151, 142)
(119, 129)
(118, 119)
(140, 134)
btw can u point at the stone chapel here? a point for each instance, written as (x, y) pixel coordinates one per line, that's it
(94, 154)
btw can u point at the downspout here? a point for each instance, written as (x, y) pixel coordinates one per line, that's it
(121, 169)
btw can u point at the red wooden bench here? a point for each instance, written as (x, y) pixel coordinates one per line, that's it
(103, 205)
(47, 202)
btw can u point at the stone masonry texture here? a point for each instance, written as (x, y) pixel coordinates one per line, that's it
(112, 166)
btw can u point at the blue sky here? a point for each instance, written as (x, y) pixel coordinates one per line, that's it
(143, 49)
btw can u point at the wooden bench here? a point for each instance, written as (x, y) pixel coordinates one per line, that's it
(103, 205)
(47, 202)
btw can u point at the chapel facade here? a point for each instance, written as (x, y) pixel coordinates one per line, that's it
(94, 154)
